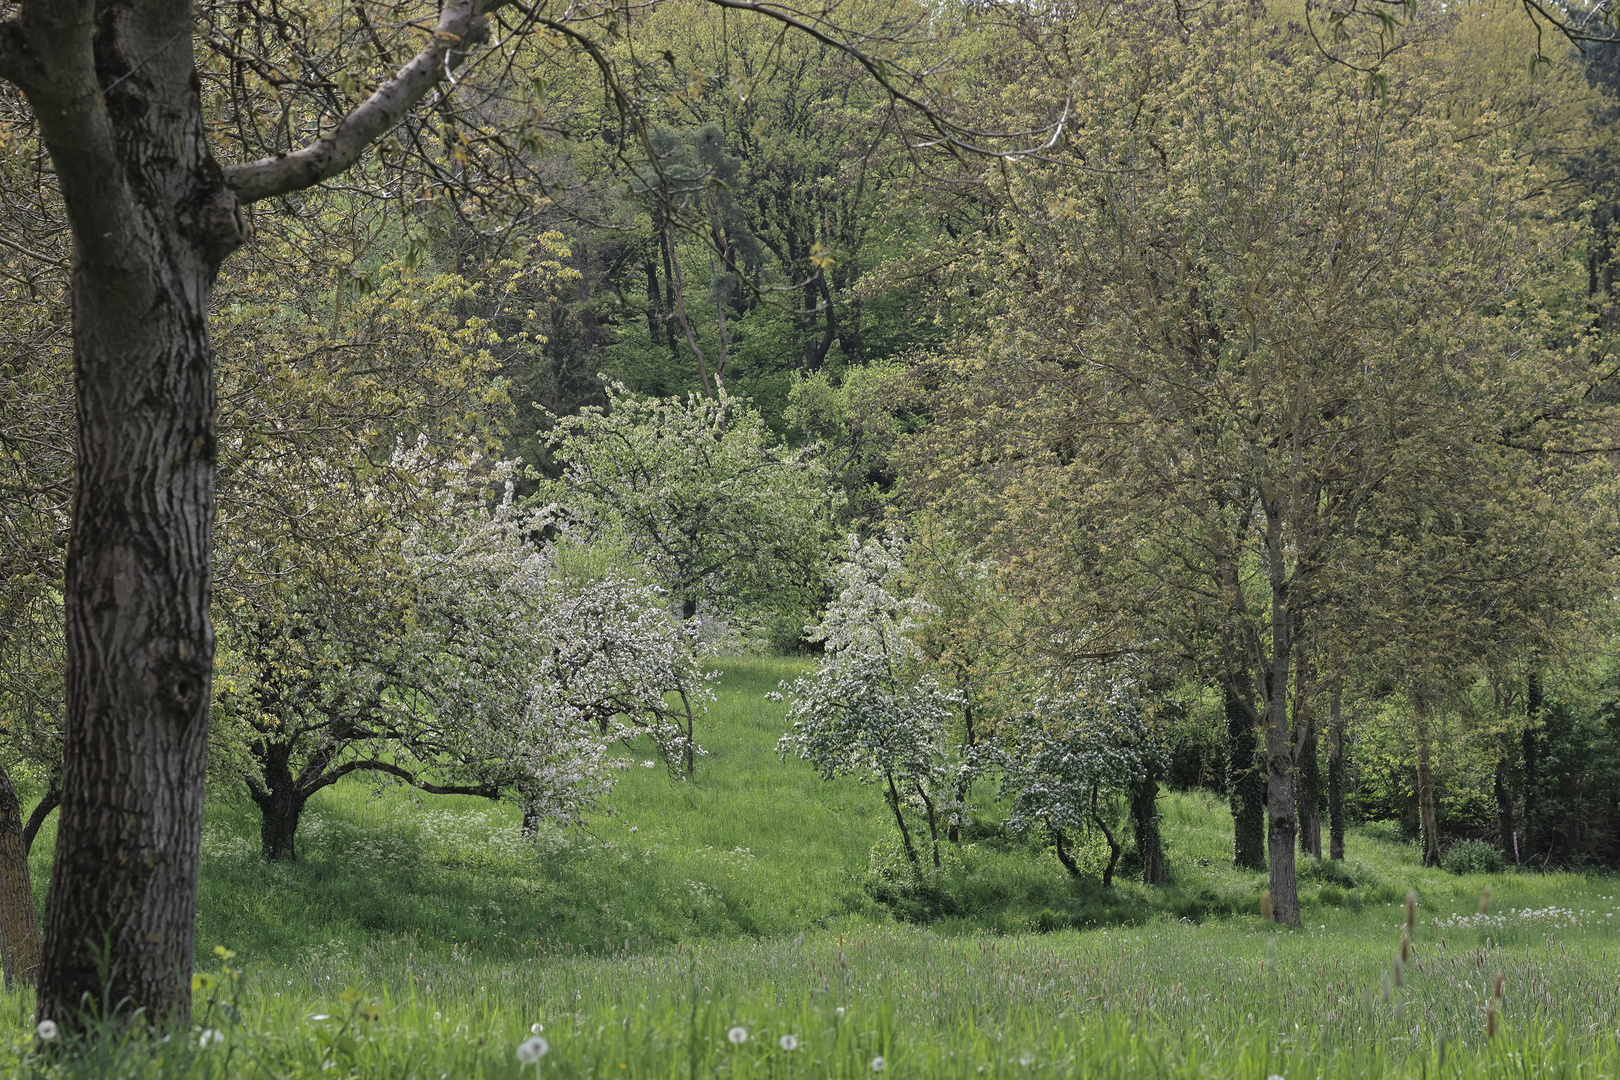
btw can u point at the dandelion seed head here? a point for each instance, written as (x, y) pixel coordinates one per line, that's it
(788, 1042)
(532, 1049)
(46, 1030)
(535, 1029)
(879, 1063)
(210, 1037)
(738, 1035)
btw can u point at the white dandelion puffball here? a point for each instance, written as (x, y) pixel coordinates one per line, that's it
(211, 1037)
(46, 1030)
(532, 1049)
(838, 1011)
(1026, 1060)
(879, 1063)
(738, 1035)
(788, 1042)
(535, 1029)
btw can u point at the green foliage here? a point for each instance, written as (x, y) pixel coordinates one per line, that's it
(1472, 857)
(730, 525)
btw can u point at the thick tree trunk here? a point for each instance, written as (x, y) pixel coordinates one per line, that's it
(1245, 785)
(1425, 776)
(1145, 819)
(1336, 778)
(19, 920)
(281, 805)
(113, 86)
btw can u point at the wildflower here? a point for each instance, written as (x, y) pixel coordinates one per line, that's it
(46, 1030)
(879, 1063)
(535, 1029)
(788, 1042)
(649, 765)
(738, 1035)
(838, 1011)
(1026, 1060)
(532, 1049)
(210, 1037)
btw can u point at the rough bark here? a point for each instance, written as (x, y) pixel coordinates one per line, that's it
(1145, 820)
(1309, 794)
(19, 921)
(1336, 777)
(1246, 786)
(281, 805)
(1505, 825)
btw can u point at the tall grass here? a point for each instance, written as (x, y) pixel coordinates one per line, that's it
(426, 938)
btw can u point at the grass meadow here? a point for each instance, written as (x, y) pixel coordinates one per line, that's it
(753, 925)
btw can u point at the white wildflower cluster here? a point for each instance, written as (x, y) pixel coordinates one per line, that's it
(870, 710)
(1552, 917)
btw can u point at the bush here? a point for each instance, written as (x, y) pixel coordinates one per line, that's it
(1472, 857)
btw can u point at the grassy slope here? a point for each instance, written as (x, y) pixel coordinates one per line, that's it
(639, 943)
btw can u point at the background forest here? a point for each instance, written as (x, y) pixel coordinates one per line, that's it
(1073, 426)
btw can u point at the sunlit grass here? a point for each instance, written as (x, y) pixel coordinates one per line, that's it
(426, 938)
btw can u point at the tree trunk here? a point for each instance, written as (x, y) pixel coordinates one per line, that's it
(1113, 844)
(1145, 819)
(1504, 809)
(1531, 743)
(1310, 797)
(1245, 785)
(1063, 856)
(1336, 778)
(113, 86)
(19, 920)
(900, 820)
(1425, 776)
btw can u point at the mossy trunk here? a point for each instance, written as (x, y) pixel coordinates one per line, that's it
(1145, 819)
(1336, 779)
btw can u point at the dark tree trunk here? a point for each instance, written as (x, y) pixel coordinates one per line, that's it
(1531, 743)
(114, 87)
(1062, 852)
(1245, 785)
(281, 804)
(1336, 778)
(1310, 792)
(1108, 835)
(1145, 819)
(965, 783)
(19, 920)
(1504, 809)
(152, 218)
(900, 820)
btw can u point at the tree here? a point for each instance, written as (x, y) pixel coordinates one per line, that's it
(1065, 753)
(869, 711)
(1204, 364)
(727, 523)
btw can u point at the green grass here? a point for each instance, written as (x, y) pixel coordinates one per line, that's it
(755, 898)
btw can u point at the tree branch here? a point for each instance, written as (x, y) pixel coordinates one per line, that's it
(462, 26)
(52, 799)
(487, 791)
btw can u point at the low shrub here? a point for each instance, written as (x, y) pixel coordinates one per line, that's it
(1472, 857)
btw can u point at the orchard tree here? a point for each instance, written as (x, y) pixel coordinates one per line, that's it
(1066, 760)
(727, 522)
(871, 710)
